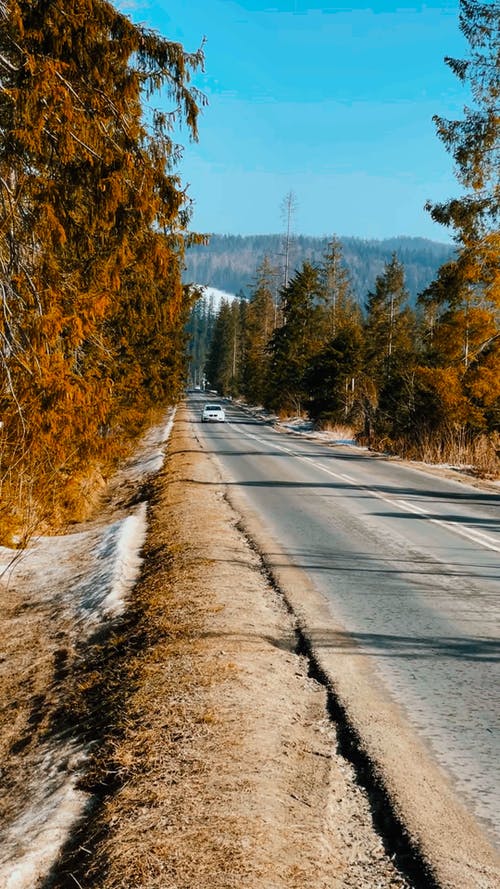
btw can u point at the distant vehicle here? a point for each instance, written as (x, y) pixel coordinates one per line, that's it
(213, 413)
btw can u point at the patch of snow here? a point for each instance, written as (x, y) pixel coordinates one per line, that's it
(35, 838)
(336, 438)
(84, 577)
(149, 459)
(298, 424)
(216, 296)
(125, 548)
(302, 426)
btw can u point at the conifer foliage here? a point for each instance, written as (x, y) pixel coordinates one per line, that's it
(296, 341)
(463, 304)
(93, 224)
(224, 360)
(261, 320)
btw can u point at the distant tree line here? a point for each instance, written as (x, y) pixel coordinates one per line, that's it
(93, 228)
(415, 382)
(422, 381)
(229, 261)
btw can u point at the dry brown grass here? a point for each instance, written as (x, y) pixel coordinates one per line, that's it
(339, 430)
(156, 825)
(40, 496)
(37, 668)
(215, 770)
(478, 455)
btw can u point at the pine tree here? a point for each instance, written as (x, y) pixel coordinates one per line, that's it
(333, 379)
(225, 355)
(474, 141)
(389, 323)
(390, 354)
(199, 331)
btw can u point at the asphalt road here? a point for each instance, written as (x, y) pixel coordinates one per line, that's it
(409, 563)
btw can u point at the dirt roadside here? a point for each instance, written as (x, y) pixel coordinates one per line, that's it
(216, 759)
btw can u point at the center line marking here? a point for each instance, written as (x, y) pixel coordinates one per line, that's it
(462, 530)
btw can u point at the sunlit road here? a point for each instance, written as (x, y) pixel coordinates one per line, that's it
(410, 565)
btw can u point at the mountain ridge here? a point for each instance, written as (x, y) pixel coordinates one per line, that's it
(229, 261)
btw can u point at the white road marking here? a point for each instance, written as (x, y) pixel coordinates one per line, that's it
(471, 534)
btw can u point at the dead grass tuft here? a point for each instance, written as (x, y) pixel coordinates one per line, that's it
(477, 455)
(339, 430)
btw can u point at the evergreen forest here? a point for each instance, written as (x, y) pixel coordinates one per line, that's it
(229, 262)
(94, 224)
(419, 377)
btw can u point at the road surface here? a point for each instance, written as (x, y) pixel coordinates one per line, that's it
(409, 563)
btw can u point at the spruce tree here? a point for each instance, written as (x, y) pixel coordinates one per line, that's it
(298, 339)
(390, 353)
(464, 300)
(93, 225)
(389, 323)
(199, 330)
(334, 378)
(340, 306)
(260, 323)
(225, 355)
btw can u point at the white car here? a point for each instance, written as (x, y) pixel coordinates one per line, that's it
(213, 413)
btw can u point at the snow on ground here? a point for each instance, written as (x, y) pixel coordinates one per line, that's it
(87, 574)
(341, 435)
(33, 841)
(84, 577)
(215, 296)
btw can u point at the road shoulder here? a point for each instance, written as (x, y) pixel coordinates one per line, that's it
(225, 752)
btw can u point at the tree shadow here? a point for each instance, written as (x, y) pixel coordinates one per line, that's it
(466, 648)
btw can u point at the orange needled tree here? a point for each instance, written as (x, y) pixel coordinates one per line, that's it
(92, 231)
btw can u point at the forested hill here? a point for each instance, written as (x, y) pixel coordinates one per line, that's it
(229, 262)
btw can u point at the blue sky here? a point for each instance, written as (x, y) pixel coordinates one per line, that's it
(333, 101)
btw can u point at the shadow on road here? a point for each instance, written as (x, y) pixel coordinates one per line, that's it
(482, 648)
